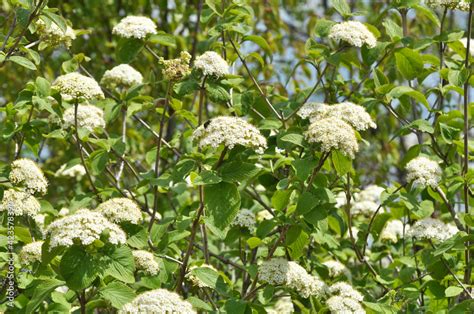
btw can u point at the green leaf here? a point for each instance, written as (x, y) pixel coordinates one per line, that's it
(293, 138)
(260, 41)
(207, 177)
(342, 7)
(342, 163)
(217, 93)
(306, 202)
(79, 268)
(118, 294)
(453, 291)
(121, 264)
(127, 49)
(400, 91)
(409, 63)
(98, 161)
(43, 87)
(164, 39)
(206, 275)
(23, 62)
(222, 201)
(253, 242)
(237, 171)
(296, 240)
(280, 199)
(199, 304)
(41, 291)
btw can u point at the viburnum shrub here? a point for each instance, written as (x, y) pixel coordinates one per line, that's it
(236, 156)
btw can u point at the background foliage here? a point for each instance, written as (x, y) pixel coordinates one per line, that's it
(412, 83)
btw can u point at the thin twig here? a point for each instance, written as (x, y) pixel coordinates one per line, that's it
(255, 83)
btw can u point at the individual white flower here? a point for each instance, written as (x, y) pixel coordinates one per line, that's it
(333, 133)
(212, 64)
(121, 209)
(264, 215)
(158, 301)
(84, 226)
(229, 131)
(26, 173)
(53, 36)
(245, 218)
(354, 33)
(31, 252)
(145, 261)
(341, 305)
(75, 86)
(355, 115)
(424, 172)
(284, 305)
(335, 268)
(194, 279)
(134, 27)
(392, 231)
(89, 117)
(462, 5)
(176, 69)
(19, 203)
(344, 289)
(122, 75)
(279, 271)
(471, 46)
(76, 171)
(432, 229)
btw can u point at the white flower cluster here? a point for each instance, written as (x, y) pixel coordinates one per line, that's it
(26, 173)
(176, 69)
(195, 281)
(354, 33)
(229, 131)
(392, 231)
(211, 64)
(333, 133)
(122, 75)
(471, 46)
(76, 171)
(335, 268)
(424, 172)
(89, 117)
(31, 252)
(145, 261)
(344, 299)
(245, 218)
(342, 305)
(158, 301)
(354, 115)
(75, 86)
(85, 226)
(121, 209)
(284, 305)
(462, 5)
(19, 203)
(53, 36)
(279, 271)
(134, 27)
(432, 229)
